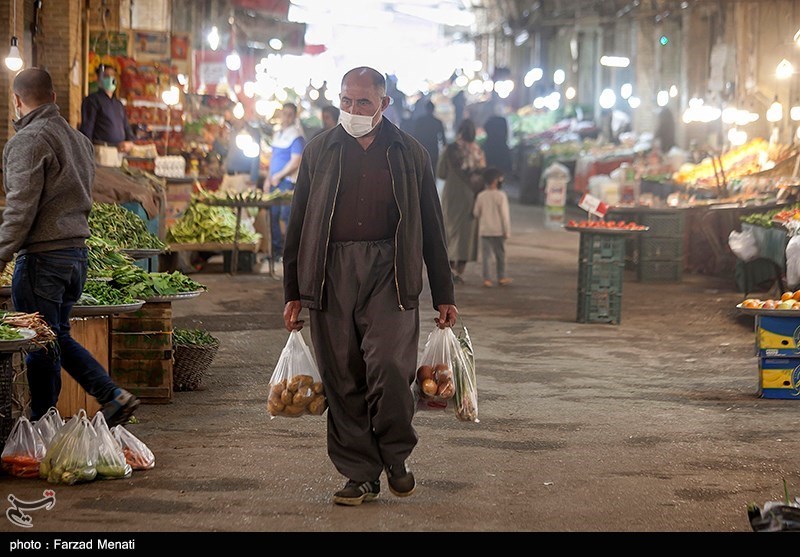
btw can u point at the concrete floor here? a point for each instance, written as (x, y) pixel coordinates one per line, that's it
(652, 425)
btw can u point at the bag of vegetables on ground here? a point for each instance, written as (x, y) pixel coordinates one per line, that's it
(72, 456)
(111, 463)
(446, 375)
(24, 450)
(295, 387)
(49, 425)
(137, 454)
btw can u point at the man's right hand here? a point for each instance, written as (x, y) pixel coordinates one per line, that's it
(290, 314)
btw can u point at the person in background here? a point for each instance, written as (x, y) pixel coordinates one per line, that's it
(457, 166)
(103, 118)
(330, 118)
(665, 131)
(365, 222)
(494, 225)
(459, 104)
(287, 152)
(241, 171)
(48, 172)
(498, 154)
(429, 131)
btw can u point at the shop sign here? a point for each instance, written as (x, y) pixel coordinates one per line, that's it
(593, 205)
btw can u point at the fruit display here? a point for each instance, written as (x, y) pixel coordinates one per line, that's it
(736, 163)
(771, 218)
(296, 396)
(436, 382)
(610, 225)
(788, 301)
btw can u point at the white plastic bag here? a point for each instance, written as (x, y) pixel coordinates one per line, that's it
(111, 462)
(295, 387)
(137, 454)
(49, 425)
(743, 245)
(72, 456)
(24, 450)
(434, 385)
(793, 261)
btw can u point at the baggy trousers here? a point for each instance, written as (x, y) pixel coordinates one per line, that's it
(366, 349)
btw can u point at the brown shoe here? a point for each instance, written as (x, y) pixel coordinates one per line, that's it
(401, 480)
(488, 283)
(505, 281)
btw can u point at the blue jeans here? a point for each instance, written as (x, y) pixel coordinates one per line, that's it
(50, 283)
(277, 215)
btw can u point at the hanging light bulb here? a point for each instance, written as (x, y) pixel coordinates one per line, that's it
(626, 90)
(634, 102)
(662, 98)
(784, 69)
(238, 111)
(213, 38)
(570, 93)
(559, 76)
(14, 60)
(233, 62)
(607, 98)
(775, 111)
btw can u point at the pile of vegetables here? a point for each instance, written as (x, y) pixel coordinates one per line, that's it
(203, 223)
(8, 332)
(104, 258)
(20, 320)
(247, 196)
(23, 451)
(102, 293)
(296, 396)
(111, 462)
(72, 456)
(137, 454)
(141, 285)
(121, 228)
(8, 272)
(436, 381)
(194, 337)
(769, 219)
(466, 382)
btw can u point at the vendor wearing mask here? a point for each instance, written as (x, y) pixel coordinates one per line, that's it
(103, 118)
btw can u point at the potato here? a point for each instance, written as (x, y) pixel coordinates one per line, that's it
(440, 369)
(318, 405)
(318, 388)
(424, 372)
(278, 388)
(302, 398)
(298, 381)
(275, 408)
(287, 396)
(429, 387)
(293, 411)
(446, 389)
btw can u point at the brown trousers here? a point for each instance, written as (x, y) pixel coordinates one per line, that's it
(366, 349)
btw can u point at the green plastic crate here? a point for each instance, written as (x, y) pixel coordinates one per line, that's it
(599, 275)
(667, 225)
(661, 271)
(599, 306)
(602, 247)
(661, 249)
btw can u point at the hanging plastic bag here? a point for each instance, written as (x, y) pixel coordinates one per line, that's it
(434, 385)
(137, 454)
(72, 456)
(743, 245)
(24, 450)
(466, 397)
(793, 261)
(49, 425)
(111, 462)
(295, 387)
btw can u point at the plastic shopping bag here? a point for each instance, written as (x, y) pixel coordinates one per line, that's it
(111, 463)
(137, 454)
(743, 245)
(434, 385)
(72, 455)
(23, 451)
(295, 387)
(793, 261)
(466, 398)
(48, 425)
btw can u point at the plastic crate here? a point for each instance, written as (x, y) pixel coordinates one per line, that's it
(601, 276)
(149, 264)
(663, 225)
(602, 247)
(661, 271)
(599, 306)
(660, 249)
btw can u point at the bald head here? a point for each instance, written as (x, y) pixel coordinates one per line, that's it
(366, 73)
(34, 87)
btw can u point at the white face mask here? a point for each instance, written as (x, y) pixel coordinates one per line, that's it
(357, 125)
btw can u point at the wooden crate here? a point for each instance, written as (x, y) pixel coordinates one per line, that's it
(92, 334)
(141, 352)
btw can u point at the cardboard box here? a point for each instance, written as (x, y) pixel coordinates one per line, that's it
(779, 378)
(778, 336)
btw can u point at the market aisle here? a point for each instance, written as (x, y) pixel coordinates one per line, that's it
(650, 425)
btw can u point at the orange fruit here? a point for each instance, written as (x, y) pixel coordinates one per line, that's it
(786, 295)
(769, 304)
(796, 295)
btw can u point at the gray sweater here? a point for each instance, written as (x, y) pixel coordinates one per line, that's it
(48, 171)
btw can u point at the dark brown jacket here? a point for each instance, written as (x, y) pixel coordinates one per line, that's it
(420, 230)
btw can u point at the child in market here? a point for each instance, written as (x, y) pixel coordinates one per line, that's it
(494, 225)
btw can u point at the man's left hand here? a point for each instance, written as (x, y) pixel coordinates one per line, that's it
(447, 316)
(126, 146)
(274, 180)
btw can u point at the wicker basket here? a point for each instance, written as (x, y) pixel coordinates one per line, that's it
(191, 363)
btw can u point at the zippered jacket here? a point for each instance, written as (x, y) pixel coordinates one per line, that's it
(420, 231)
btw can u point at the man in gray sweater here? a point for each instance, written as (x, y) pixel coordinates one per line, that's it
(48, 171)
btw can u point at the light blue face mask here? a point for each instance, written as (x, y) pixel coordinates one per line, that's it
(109, 84)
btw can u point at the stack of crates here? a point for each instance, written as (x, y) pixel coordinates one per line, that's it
(141, 352)
(778, 346)
(600, 274)
(661, 248)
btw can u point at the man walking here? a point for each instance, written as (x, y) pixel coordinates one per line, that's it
(48, 170)
(365, 217)
(287, 150)
(429, 131)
